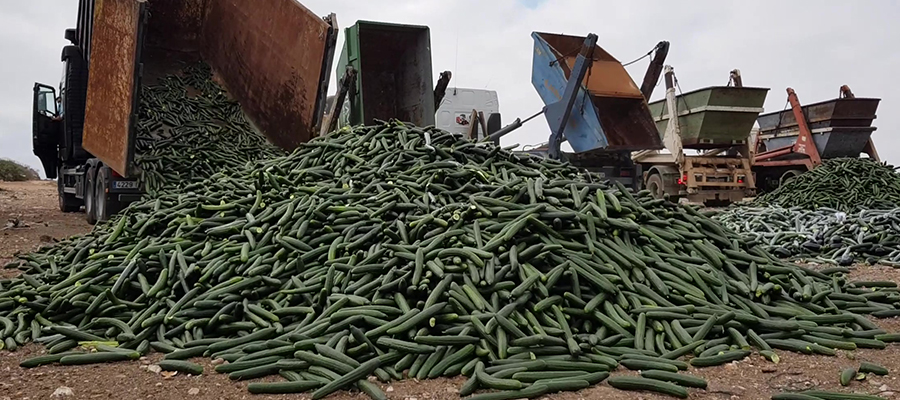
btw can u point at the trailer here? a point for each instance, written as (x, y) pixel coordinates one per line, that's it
(793, 141)
(716, 122)
(276, 61)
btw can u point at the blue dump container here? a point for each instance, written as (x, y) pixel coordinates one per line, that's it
(610, 113)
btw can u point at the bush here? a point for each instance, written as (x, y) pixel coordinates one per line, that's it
(13, 171)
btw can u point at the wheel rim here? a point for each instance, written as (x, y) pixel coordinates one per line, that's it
(787, 176)
(100, 199)
(89, 199)
(655, 188)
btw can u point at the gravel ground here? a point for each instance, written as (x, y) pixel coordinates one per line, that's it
(34, 218)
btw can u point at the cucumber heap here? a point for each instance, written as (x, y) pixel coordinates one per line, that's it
(189, 129)
(824, 235)
(366, 252)
(844, 184)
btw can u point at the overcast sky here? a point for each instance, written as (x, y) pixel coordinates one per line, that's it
(814, 46)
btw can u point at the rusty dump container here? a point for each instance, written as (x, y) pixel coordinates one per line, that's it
(610, 113)
(840, 127)
(272, 56)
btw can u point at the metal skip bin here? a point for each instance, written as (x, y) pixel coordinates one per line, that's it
(393, 73)
(840, 127)
(610, 112)
(713, 117)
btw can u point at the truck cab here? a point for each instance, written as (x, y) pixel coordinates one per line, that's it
(455, 111)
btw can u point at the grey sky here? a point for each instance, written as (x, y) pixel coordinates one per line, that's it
(814, 46)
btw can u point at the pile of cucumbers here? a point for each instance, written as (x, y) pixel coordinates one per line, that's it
(824, 235)
(843, 184)
(367, 252)
(188, 129)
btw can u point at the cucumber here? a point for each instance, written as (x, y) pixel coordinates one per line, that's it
(719, 359)
(794, 396)
(847, 375)
(181, 366)
(301, 386)
(650, 385)
(679, 379)
(404, 346)
(44, 360)
(358, 373)
(825, 395)
(867, 367)
(97, 358)
(641, 365)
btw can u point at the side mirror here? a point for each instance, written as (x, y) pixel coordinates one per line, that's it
(72, 36)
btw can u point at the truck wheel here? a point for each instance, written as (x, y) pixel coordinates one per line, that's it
(67, 202)
(788, 175)
(90, 214)
(101, 204)
(655, 186)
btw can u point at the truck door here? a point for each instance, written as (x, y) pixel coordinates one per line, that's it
(46, 127)
(114, 82)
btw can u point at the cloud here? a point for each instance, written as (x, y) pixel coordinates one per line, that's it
(812, 46)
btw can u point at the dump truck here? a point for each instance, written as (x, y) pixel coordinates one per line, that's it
(716, 122)
(793, 141)
(276, 61)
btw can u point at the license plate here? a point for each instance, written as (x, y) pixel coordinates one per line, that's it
(125, 185)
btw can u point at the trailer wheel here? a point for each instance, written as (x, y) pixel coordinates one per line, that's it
(101, 203)
(90, 214)
(655, 186)
(788, 175)
(67, 202)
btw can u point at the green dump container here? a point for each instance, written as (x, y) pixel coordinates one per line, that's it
(713, 117)
(393, 81)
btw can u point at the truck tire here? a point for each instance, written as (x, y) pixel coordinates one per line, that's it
(655, 186)
(90, 203)
(67, 202)
(76, 76)
(788, 175)
(102, 211)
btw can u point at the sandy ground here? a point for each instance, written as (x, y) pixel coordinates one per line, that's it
(34, 206)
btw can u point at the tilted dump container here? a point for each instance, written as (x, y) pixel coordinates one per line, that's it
(840, 127)
(271, 56)
(393, 73)
(610, 112)
(713, 117)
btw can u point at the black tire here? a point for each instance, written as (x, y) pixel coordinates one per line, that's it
(655, 186)
(75, 99)
(89, 195)
(102, 211)
(67, 202)
(788, 175)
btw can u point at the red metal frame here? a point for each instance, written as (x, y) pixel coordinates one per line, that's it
(804, 144)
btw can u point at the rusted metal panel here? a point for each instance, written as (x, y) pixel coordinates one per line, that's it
(269, 55)
(111, 83)
(606, 76)
(176, 25)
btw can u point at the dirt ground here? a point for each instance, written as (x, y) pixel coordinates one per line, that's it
(33, 205)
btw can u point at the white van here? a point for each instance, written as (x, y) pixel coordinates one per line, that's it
(455, 111)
